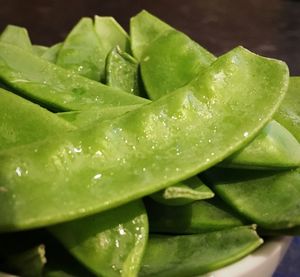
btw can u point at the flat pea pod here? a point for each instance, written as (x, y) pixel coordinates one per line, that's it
(122, 71)
(183, 193)
(51, 53)
(274, 148)
(268, 198)
(82, 51)
(39, 50)
(165, 68)
(144, 28)
(122, 233)
(23, 122)
(288, 113)
(197, 217)
(55, 87)
(86, 118)
(142, 151)
(202, 252)
(111, 34)
(17, 36)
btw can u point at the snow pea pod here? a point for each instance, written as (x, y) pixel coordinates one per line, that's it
(183, 193)
(111, 34)
(39, 50)
(23, 122)
(122, 72)
(197, 217)
(82, 51)
(17, 36)
(274, 148)
(288, 113)
(122, 232)
(51, 53)
(202, 252)
(56, 87)
(143, 151)
(268, 198)
(165, 68)
(145, 28)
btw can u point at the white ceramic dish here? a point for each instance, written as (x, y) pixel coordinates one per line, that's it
(261, 263)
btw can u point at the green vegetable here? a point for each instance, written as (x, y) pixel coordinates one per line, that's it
(197, 217)
(51, 53)
(268, 198)
(143, 151)
(82, 51)
(111, 243)
(122, 72)
(55, 87)
(191, 255)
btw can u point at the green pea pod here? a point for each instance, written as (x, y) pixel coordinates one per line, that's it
(111, 243)
(183, 193)
(23, 122)
(40, 50)
(17, 36)
(197, 217)
(268, 198)
(202, 252)
(51, 53)
(56, 87)
(165, 67)
(145, 28)
(288, 113)
(275, 147)
(86, 118)
(122, 72)
(111, 34)
(29, 263)
(142, 151)
(82, 51)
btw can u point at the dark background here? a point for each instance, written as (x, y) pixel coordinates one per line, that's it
(269, 27)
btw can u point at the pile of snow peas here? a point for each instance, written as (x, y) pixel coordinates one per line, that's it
(142, 154)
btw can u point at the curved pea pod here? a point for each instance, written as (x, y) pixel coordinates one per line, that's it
(142, 151)
(145, 28)
(122, 71)
(183, 193)
(86, 118)
(23, 122)
(55, 87)
(274, 148)
(51, 53)
(288, 113)
(122, 233)
(111, 34)
(190, 255)
(17, 36)
(82, 51)
(39, 50)
(268, 198)
(197, 217)
(165, 68)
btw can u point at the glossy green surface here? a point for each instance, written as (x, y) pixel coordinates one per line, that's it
(82, 51)
(198, 217)
(274, 148)
(111, 243)
(288, 113)
(145, 28)
(122, 71)
(142, 151)
(190, 255)
(51, 53)
(83, 119)
(111, 34)
(56, 87)
(183, 193)
(166, 68)
(23, 122)
(268, 198)
(17, 36)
